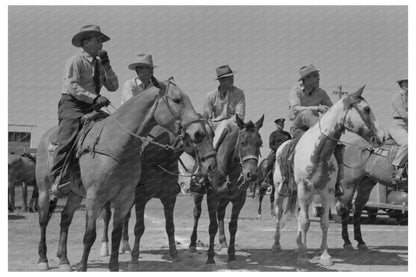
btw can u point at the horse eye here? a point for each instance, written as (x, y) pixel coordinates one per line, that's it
(367, 109)
(176, 100)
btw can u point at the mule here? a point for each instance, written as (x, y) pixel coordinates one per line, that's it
(160, 180)
(364, 167)
(110, 168)
(315, 168)
(238, 147)
(21, 170)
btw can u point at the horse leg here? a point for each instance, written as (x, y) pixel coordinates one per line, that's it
(222, 205)
(261, 196)
(44, 216)
(12, 196)
(33, 205)
(72, 204)
(24, 196)
(345, 214)
(363, 193)
(90, 234)
(139, 204)
(168, 206)
(278, 206)
(212, 201)
(235, 212)
(125, 247)
(303, 227)
(197, 214)
(106, 220)
(272, 211)
(326, 204)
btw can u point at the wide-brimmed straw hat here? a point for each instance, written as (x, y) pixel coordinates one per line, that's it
(142, 60)
(307, 70)
(224, 71)
(400, 81)
(87, 32)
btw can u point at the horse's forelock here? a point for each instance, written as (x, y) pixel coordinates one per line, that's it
(250, 126)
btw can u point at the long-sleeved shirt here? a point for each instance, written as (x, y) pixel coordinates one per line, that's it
(218, 108)
(277, 137)
(133, 87)
(299, 99)
(399, 106)
(78, 77)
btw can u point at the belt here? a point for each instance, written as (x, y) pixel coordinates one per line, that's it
(398, 117)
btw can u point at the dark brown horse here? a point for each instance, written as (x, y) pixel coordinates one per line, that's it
(264, 187)
(21, 170)
(160, 180)
(364, 167)
(237, 157)
(112, 169)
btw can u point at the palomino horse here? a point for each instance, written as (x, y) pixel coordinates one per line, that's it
(111, 169)
(21, 169)
(237, 156)
(264, 187)
(364, 166)
(160, 180)
(315, 167)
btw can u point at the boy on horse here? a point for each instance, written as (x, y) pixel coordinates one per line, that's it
(84, 76)
(399, 128)
(306, 101)
(144, 80)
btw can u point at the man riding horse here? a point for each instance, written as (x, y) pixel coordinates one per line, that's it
(306, 101)
(399, 129)
(84, 76)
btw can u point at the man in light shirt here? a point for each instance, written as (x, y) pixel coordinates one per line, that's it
(225, 101)
(84, 76)
(399, 128)
(143, 66)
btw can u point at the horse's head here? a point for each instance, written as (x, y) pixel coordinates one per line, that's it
(203, 152)
(174, 110)
(248, 147)
(358, 118)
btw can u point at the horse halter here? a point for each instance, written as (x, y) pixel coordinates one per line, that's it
(246, 157)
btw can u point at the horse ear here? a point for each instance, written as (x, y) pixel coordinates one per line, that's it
(240, 122)
(358, 93)
(259, 123)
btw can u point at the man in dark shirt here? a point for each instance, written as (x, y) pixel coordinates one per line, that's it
(276, 138)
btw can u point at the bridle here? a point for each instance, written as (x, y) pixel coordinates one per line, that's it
(245, 158)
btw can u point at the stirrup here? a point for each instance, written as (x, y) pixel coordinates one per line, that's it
(61, 190)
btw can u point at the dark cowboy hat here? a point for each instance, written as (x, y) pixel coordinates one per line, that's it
(400, 81)
(87, 32)
(306, 70)
(279, 120)
(224, 71)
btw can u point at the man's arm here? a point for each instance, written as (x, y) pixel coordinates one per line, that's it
(110, 78)
(240, 108)
(72, 79)
(127, 92)
(208, 110)
(399, 107)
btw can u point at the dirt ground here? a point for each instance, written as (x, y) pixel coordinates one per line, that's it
(387, 242)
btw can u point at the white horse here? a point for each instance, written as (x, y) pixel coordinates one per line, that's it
(315, 168)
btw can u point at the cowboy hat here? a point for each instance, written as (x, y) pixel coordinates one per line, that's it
(224, 71)
(400, 81)
(279, 120)
(87, 32)
(142, 60)
(306, 70)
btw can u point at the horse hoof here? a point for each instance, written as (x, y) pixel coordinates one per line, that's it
(209, 267)
(259, 216)
(362, 247)
(210, 262)
(348, 246)
(232, 260)
(133, 266)
(126, 247)
(326, 261)
(104, 249)
(192, 249)
(276, 248)
(65, 267)
(302, 261)
(43, 266)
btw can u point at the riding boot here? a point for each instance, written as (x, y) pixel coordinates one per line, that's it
(61, 187)
(339, 153)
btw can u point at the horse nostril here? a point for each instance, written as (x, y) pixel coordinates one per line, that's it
(199, 136)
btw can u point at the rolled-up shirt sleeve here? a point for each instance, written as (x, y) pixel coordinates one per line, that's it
(72, 80)
(240, 108)
(127, 92)
(110, 79)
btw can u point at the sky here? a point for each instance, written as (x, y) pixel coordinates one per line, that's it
(266, 45)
